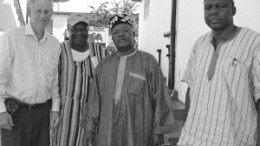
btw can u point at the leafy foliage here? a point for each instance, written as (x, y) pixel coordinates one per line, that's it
(125, 6)
(102, 13)
(95, 37)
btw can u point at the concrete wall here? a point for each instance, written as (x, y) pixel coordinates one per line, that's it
(59, 26)
(8, 16)
(152, 28)
(72, 6)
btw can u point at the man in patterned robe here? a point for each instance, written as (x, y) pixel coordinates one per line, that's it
(77, 63)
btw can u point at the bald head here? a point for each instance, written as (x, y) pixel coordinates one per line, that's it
(231, 1)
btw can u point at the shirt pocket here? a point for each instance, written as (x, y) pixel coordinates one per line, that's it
(234, 69)
(136, 83)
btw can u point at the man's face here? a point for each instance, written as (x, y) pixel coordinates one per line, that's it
(78, 34)
(123, 37)
(218, 14)
(40, 13)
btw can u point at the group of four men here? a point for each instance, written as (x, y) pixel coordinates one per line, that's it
(123, 99)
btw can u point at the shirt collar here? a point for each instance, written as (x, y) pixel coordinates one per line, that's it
(230, 37)
(29, 32)
(128, 55)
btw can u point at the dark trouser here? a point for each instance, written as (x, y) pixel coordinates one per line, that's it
(31, 128)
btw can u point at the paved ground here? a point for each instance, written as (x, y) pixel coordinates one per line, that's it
(172, 138)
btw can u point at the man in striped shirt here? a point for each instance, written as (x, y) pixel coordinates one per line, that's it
(29, 58)
(223, 75)
(77, 64)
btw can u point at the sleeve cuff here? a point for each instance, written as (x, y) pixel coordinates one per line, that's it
(55, 105)
(188, 82)
(165, 129)
(87, 125)
(2, 106)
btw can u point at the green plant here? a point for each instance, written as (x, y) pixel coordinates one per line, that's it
(102, 14)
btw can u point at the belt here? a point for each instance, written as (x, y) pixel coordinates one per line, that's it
(32, 106)
(23, 105)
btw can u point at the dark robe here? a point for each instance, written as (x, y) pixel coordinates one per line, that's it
(128, 101)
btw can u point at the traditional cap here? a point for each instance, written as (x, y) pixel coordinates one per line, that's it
(118, 19)
(76, 18)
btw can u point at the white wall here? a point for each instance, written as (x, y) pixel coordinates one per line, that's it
(72, 6)
(59, 26)
(8, 16)
(190, 25)
(152, 28)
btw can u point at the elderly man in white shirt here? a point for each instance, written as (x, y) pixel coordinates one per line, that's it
(29, 58)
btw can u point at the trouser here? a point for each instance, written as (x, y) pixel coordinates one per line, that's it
(31, 127)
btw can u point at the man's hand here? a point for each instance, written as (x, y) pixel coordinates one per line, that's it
(88, 138)
(157, 139)
(54, 119)
(6, 121)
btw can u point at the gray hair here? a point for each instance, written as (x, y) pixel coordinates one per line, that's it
(30, 2)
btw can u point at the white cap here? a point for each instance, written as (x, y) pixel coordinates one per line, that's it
(76, 18)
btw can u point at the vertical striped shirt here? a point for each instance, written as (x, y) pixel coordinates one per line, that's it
(28, 67)
(75, 78)
(222, 110)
